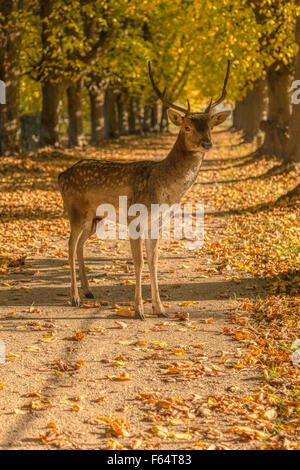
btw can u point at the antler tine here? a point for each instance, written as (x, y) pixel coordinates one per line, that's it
(162, 95)
(207, 110)
(224, 92)
(189, 106)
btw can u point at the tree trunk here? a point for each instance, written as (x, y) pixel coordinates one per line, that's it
(30, 129)
(146, 118)
(139, 116)
(238, 113)
(164, 123)
(293, 151)
(241, 113)
(11, 41)
(131, 117)
(110, 115)
(154, 117)
(75, 129)
(96, 118)
(52, 96)
(52, 90)
(276, 125)
(255, 106)
(121, 117)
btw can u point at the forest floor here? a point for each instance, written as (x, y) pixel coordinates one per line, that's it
(93, 377)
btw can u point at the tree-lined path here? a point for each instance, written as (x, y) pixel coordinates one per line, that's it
(217, 374)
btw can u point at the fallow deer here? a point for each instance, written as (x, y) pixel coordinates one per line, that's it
(89, 183)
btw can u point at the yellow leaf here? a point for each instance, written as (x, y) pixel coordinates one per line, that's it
(160, 431)
(76, 408)
(100, 399)
(180, 435)
(33, 349)
(178, 351)
(125, 312)
(48, 338)
(126, 341)
(114, 445)
(118, 364)
(17, 411)
(118, 427)
(159, 343)
(51, 425)
(123, 377)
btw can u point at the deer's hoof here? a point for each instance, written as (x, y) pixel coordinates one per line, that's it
(75, 301)
(164, 314)
(159, 311)
(89, 295)
(139, 315)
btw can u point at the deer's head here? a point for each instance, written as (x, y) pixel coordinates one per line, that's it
(194, 127)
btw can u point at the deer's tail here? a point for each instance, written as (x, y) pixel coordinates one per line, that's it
(60, 185)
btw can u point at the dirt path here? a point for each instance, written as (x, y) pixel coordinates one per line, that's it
(92, 379)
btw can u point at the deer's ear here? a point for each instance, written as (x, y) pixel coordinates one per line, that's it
(174, 117)
(219, 118)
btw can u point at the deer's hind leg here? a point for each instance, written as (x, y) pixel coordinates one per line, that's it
(137, 254)
(88, 230)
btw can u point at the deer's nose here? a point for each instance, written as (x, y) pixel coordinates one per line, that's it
(206, 143)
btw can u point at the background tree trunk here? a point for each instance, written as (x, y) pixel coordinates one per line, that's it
(96, 118)
(255, 106)
(237, 116)
(121, 114)
(164, 123)
(52, 90)
(146, 118)
(131, 117)
(139, 116)
(276, 125)
(75, 129)
(293, 152)
(110, 114)
(11, 41)
(52, 99)
(30, 129)
(154, 117)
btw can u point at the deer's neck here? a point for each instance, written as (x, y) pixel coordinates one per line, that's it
(179, 170)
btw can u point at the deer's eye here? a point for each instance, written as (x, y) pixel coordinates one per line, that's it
(187, 128)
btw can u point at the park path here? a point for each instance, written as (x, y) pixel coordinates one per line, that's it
(94, 378)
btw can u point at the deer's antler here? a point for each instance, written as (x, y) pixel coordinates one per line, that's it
(224, 92)
(161, 95)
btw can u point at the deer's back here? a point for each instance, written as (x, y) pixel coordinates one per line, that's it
(101, 181)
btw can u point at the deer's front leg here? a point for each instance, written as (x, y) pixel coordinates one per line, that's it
(86, 233)
(74, 236)
(137, 254)
(152, 255)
